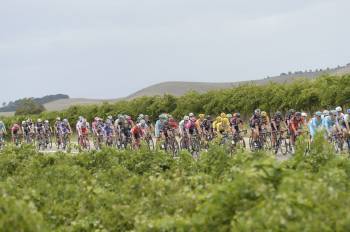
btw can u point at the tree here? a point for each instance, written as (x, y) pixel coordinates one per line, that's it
(4, 104)
(29, 106)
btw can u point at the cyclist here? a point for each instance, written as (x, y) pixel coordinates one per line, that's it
(138, 132)
(123, 126)
(295, 126)
(199, 122)
(2, 132)
(330, 123)
(223, 127)
(304, 117)
(236, 123)
(39, 127)
(65, 127)
(83, 132)
(182, 125)
(47, 131)
(108, 129)
(15, 131)
(217, 120)
(140, 117)
(26, 131)
(206, 125)
(190, 125)
(325, 113)
(315, 124)
(78, 126)
(160, 126)
(290, 114)
(265, 121)
(276, 126)
(255, 123)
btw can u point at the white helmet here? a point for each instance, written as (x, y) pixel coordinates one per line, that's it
(326, 112)
(338, 109)
(303, 114)
(58, 119)
(39, 120)
(191, 115)
(46, 121)
(23, 122)
(186, 118)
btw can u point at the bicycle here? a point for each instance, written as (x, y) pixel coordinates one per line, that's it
(170, 144)
(238, 141)
(84, 141)
(281, 144)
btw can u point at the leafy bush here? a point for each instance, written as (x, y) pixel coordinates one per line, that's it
(113, 190)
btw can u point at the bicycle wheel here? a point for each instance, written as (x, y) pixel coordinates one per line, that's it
(283, 146)
(150, 143)
(267, 142)
(175, 148)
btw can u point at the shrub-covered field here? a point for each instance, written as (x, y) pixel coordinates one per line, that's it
(113, 190)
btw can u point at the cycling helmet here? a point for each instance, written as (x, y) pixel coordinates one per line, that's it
(65, 120)
(303, 114)
(333, 112)
(218, 119)
(186, 118)
(264, 114)
(338, 109)
(223, 115)
(318, 113)
(23, 122)
(58, 119)
(201, 116)
(142, 122)
(46, 121)
(96, 118)
(191, 114)
(298, 114)
(278, 114)
(141, 116)
(208, 117)
(348, 111)
(80, 118)
(163, 116)
(257, 111)
(326, 112)
(229, 115)
(39, 120)
(110, 117)
(238, 115)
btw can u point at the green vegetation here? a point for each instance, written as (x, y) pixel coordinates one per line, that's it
(29, 107)
(302, 94)
(113, 190)
(12, 106)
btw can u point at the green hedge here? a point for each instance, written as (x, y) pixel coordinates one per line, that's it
(113, 190)
(302, 94)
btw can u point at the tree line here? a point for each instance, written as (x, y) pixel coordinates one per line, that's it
(306, 95)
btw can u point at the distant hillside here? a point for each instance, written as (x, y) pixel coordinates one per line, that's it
(180, 88)
(66, 103)
(12, 106)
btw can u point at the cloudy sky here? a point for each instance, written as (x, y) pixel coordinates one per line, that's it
(111, 48)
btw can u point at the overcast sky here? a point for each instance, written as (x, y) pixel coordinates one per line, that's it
(111, 48)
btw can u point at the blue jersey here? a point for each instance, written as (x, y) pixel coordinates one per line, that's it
(158, 128)
(315, 125)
